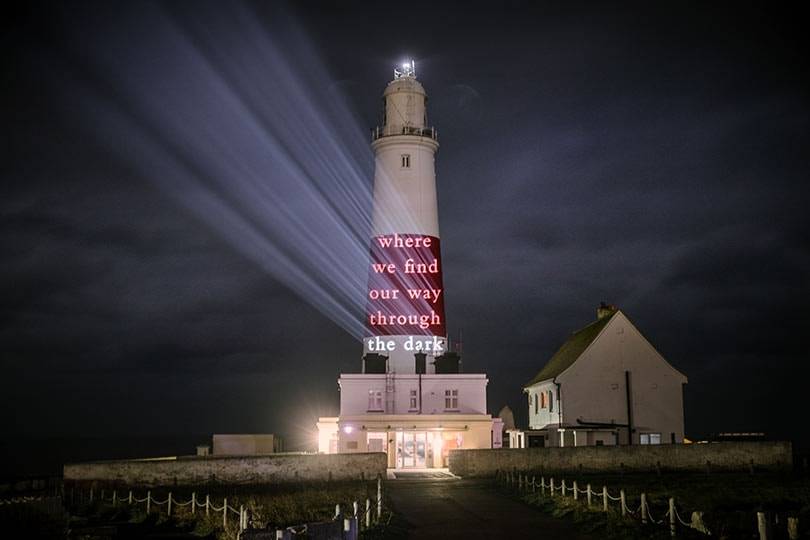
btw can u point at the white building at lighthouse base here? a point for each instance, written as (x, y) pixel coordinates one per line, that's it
(416, 419)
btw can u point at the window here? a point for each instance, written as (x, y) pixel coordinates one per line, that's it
(542, 400)
(413, 400)
(451, 400)
(649, 438)
(406, 161)
(375, 400)
(550, 401)
(536, 403)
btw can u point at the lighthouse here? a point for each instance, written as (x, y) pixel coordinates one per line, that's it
(411, 399)
(405, 306)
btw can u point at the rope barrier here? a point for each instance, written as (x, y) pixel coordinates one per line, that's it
(656, 522)
(635, 512)
(687, 524)
(643, 511)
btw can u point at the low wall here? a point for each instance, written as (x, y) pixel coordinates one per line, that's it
(267, 469)
(725, 456)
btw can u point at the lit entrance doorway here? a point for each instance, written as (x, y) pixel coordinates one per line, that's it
(412, 450)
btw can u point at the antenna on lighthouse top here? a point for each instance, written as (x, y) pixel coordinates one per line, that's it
(407, 69)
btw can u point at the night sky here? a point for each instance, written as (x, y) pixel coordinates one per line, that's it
(653, 156)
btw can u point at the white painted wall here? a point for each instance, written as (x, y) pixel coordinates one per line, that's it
(472, 393)
(544, 415)
(405, 197)
(593, 388)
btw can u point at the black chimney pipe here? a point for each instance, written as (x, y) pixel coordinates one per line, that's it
(629, 408)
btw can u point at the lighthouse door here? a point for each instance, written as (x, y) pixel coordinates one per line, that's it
(411, 449)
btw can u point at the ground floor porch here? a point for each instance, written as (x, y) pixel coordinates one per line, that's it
(410, 441)
(562, 436)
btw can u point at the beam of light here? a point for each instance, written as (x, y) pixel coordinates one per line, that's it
(235, 117)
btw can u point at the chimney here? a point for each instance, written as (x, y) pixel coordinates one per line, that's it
(605, 310)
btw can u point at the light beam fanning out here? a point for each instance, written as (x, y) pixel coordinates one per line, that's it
(239, 121)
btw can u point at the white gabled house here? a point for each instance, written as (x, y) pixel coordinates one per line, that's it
(606, 385)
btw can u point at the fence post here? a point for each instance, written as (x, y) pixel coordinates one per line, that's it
(672, 517)
(350, 527)
(562, 487)
(115, 498)
(624, 503)
(644, 508)
(604, 499)
(520, 482)
(207, 503)
(551, 490)
(368, 513)
(588, 489)
(379, 497)
(169, 508)
(129, 499)
(543, 486)
(793, 528)
(225, 513)
(576, 495)
(354, 508)
(193, 502)
(534, 484)
(762, 526)
(148, 501)
(242, 526)
(337, 511)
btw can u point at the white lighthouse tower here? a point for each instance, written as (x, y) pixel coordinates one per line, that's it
(411, 399)
(406, 301)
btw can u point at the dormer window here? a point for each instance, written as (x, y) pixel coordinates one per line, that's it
(406, 161)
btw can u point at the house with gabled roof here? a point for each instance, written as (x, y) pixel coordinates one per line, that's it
(606, 385)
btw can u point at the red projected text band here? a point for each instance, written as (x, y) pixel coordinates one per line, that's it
(405, 295)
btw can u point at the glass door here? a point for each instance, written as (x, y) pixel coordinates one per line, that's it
(411, 450)
(421, 445)
(405, 450)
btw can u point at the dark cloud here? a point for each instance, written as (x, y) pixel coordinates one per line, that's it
(653, 157)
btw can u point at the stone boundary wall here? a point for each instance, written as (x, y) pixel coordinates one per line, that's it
(724, 456)
(230, 470)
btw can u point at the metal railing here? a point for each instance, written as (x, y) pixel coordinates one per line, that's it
(390, 131)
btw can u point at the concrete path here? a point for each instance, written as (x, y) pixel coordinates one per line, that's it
(457, 508)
